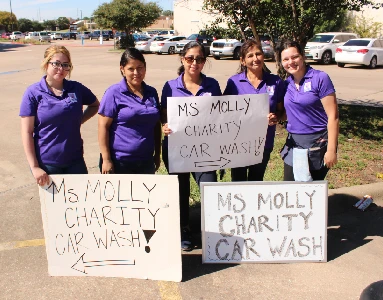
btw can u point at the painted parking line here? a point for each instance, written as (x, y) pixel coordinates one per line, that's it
(169, 290)
(21, 244)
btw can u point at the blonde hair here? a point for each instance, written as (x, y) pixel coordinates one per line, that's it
(52, 50)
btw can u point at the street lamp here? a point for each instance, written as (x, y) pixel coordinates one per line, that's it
(10, 5)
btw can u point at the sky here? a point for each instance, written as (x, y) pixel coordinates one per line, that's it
(52, 9)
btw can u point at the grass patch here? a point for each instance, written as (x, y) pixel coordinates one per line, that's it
(360, 151)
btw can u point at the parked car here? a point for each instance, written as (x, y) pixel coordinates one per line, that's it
(205, 40)
(140, 37)
(6, 35)
(322, 46)
(363, 51)
(166, 32)
(56, 36)
(110, 33)
(166, 46)
(144, 46)
(268, 51)
(69, 35)
(38, 36)
(84, 35)
(16, 35)
(95, 35)
(226, 48)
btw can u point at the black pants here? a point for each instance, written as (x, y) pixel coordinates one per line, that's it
(253, 172)
(288, 174)
(184, 185)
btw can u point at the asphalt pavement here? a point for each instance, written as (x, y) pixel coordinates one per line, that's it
(355, 238)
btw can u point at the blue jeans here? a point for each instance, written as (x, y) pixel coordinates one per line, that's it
(78, 167)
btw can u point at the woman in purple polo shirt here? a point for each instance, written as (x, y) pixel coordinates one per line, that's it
(51, 116)
(312, 115)
(129, 128)
(191, 82)
(253, 79)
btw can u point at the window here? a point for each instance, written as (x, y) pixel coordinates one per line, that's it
(362, 43)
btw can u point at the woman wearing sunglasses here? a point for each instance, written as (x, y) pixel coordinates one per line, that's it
(253, 79)
(190, 82)
(129, 128)
(51, 116)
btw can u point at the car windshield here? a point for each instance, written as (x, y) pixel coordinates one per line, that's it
(362, 43)
(192, 37)
(321, 38)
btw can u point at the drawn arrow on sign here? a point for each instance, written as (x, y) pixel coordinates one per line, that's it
(80, 264)
(212, 163)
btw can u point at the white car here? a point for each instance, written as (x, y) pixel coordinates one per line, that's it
(144, 46)
(363, 51)
(226, 48)
(56, 36)
(38, 36)
(16, 35)
(322, 46)
(166, 46)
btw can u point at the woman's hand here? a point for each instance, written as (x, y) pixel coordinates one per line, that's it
(40, 175)
(107, 167)
(330, 159)
(273, 119)
(157, 162)
(166, 130)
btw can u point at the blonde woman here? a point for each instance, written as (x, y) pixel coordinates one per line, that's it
(51, 114)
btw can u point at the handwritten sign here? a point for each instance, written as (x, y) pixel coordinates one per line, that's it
(264, 222)
(112, 225)
(216, 132)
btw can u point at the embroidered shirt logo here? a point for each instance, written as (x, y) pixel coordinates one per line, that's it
(72, 97)
(307, 87)
(270, 90)
(205, 94)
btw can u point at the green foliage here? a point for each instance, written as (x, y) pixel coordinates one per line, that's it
(50, 25)
(8, 21)
(338, 22)
(62, 23)
(167, 13)
(127, 15)
(37, 26)
(365, 27)
(126, 42)
(25, 25)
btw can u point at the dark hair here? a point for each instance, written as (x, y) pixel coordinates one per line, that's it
(285, 44)
(187, 47)
(131, 53)
(245, 49)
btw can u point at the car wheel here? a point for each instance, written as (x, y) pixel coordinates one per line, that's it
(373, 63)
(326, 58)
(158, 53)
(216, 57)
(341, 65)
(171, 50)
(237, 53)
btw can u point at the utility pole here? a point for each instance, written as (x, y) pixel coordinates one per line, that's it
(10, 5)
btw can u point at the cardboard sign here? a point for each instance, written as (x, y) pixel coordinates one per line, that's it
(264, 222)
(112, 225)
(216, 132)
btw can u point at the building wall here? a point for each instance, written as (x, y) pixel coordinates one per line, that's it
(375, 14)
(162, 23)
(189, 17)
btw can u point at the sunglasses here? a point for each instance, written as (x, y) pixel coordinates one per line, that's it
(198, 59)
(57, 64)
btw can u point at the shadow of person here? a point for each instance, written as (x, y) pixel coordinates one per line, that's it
(348, 227)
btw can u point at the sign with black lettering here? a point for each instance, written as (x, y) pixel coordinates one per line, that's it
(264, 222)
(216, 132)
(112, 225)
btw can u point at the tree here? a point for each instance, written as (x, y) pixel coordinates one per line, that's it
(25, 25)
(127, 15)
(339, 22)
(62, 23)
(167, 13)
(365, 27)
(37, 26)
(10, 22)
(50, 25)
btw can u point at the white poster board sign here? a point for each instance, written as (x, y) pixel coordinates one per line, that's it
(264, 222)
(113, 226)
(216, 132)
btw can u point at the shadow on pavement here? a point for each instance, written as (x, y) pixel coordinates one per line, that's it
(350, 226)
(6, 47)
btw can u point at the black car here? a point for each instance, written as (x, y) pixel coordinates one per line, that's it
(95, 35)
(69, 35)
(205, 40)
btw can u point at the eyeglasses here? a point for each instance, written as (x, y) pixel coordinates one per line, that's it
(57, 64)
(198, 59)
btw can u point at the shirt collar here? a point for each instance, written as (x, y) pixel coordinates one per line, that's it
(309, 74)
(44, 85)
(243, 77)
(124, 86)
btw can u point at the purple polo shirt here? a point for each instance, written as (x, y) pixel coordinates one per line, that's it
(57, 125)
(270, 84)
(131, 135)
(175, 88)
(304, 109)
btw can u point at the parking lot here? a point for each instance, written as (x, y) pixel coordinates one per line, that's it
(97, 67)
